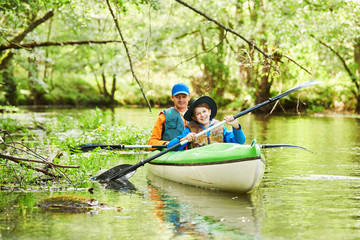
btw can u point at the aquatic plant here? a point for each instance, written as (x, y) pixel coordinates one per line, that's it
(42, 159)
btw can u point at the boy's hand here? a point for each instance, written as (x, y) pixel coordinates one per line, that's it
(232, 122)
(190, 137)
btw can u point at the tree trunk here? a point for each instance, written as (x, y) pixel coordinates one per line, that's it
(105, 91)
(113, 89)
(36, 86)
(263, 91)
(9, 82)
(357, 60)
(47, 52)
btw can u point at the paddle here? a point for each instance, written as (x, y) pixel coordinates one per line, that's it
(89, 147)
(123, 172)
(282, 145)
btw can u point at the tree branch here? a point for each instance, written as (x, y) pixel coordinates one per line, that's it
(18, 159)
(32, 26)
(251, 45)
(224, 27)
(351, 75)
(206, 51)
(42, 170)
(5, 60)
(27, 151)
(298, 64)
(47, 44)
(127, 53)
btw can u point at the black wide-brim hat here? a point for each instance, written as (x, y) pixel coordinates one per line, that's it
(196, 102)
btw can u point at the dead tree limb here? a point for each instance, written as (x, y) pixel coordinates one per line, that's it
(42, 170)
(19, 147)
(18, 160)
(47, 44)
(127, 53)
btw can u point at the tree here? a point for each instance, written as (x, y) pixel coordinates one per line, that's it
(8, 81)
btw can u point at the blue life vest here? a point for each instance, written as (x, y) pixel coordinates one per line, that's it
(174, 124)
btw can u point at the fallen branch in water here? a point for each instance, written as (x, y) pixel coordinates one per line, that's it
(18, 159)
(42, 170)
(16, 148)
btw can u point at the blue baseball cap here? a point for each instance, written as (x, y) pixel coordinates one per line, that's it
(180, 88)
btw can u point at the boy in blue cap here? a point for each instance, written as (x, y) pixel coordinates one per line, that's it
(171, 122)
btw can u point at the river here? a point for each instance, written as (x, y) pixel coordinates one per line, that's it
(303, 195)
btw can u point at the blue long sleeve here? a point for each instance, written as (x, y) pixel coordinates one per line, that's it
(236, 136)
(176, 140)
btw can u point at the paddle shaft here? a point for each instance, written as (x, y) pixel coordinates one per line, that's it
(143, 162)
(89, 147)
(270, 100)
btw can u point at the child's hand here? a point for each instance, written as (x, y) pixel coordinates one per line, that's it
(190, 137)
(232, 122)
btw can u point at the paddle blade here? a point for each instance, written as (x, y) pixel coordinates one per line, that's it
(282, 145)
(84, 148)
(105, 176)
(303, 85)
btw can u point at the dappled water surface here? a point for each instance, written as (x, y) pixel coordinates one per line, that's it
(304, 195)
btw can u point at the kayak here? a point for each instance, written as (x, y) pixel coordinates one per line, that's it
(222, 166)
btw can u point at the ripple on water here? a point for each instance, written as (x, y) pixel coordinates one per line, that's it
(322, 177)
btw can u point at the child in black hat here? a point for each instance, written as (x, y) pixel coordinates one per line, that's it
(201, 116)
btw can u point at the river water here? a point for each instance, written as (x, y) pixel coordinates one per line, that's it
(303, 195)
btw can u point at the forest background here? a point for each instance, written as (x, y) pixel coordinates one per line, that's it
(120, 53)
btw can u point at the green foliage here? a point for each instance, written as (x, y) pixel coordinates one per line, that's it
(62, 133)
(93, 120)
(173, 44)
(214, 82)
(73, 91)
(12, 126)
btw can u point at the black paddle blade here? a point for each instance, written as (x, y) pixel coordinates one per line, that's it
(90, 147)
(83, 148)
(105, 176)
(283, 145)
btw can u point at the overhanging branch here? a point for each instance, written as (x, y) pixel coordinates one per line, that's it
(251, 44)
(32, 26)
(351, 75)
(48, 44)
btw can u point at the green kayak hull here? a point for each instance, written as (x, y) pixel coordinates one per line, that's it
(223, 166)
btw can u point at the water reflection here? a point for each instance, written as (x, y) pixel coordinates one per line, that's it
(191, 209)
(121, 185)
